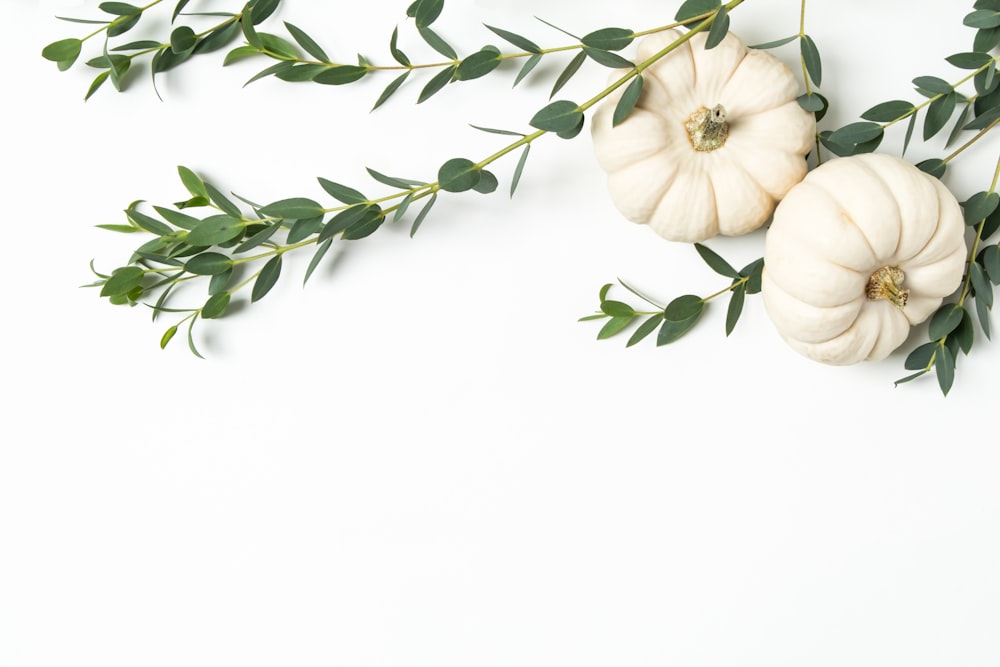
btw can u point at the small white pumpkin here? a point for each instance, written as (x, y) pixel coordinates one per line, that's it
(859, 251)
(716, 139)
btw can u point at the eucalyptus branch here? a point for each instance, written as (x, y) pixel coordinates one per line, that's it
(186, 248)
(184, 41)
(951, 328)
(681, 314)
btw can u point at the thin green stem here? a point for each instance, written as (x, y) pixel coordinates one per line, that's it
(732, 286)
(931, 100)
(979, 135)
(118, 19)
(805, 74)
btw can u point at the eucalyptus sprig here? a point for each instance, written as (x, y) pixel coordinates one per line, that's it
(680, 315)
(980, 109)
(951, 328)
(116, 61)
(226, 247)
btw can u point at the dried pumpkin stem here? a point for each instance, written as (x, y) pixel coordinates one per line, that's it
(707, 128)
(885, 284)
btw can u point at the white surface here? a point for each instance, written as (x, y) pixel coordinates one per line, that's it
(422, 458)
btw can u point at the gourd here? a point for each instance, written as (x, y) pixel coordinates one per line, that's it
(715, 140)
(858, 252)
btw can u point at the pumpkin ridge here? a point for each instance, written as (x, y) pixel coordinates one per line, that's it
(886, 186)
(738, 164)
(847, 214)
(933, 236)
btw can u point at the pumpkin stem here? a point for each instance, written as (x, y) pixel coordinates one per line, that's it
(885, 284)
(707, 128)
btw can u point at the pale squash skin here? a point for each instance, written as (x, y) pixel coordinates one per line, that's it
(848, 218)
(655, 175)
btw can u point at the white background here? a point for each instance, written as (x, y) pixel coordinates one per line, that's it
(423, 458)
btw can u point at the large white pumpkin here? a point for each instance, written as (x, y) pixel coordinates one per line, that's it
(716, 139)
(859, 251)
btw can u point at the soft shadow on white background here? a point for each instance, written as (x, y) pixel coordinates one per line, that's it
(422, 458)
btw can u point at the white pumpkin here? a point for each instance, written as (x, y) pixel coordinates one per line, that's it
(859, 251)
(716, 139)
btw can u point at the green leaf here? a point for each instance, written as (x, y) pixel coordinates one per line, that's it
(957, 129)
(517, 40)
(436, 83)
(609, 39)
(909, 378)
(965, 333)
(909, 132)
(719, 29)
(617, 308)
(178, 8)
(983, 120)
(944, 321)
(96, 84)
(558, 116)
(529, 65)
(986, 39)
(222, 201)
(984, 290)
(122, 229)
(776, 43)
(342, 193)
(571, 68)
(215, 230)
(672, 330)
(123, 280)
(684, 308)
(250, 33)
(119, 8)
(982, 18)
(340, 75)
(938, 114)
(167, 336)
(979, 206)
(297, 73)
(317, 258)
(279, 46)
(991, 262)
(628, 100)
(487, 182)
(932, 85)
(427, 11)
(258, 238)
(435, 42)
(613, 326)
(63, 51)
(735, 307)
(216, 306)
(422, 214)
(811, 58)
(969, 59)
(367, 225)
(265, 281)
(983, 313)
(397, 55)
(183, 39)
(986, 81)
(478, 64)
(603, 294)
(648, 326)
(944, 365)
(753, 272)
(122, 24)
(519, 169)
(307, 43)
(304, 228)
(694, 8)
(715, 262)
(920, 358)
(181, 220)
(811, 102)
(390, 89)
(239, 53)
(208, 264)
(262, 9)
(218, 38)
(140, 45)
(151, 225)
(458, 175)
(857, 133)
(294, 208)
(345, 219)
(889, 111)
(607, 58)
